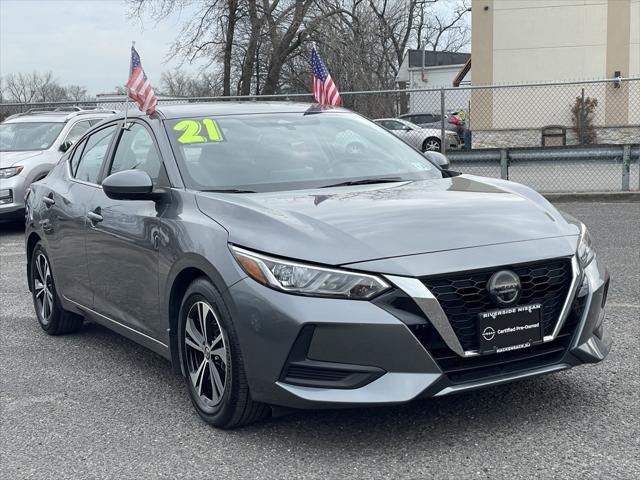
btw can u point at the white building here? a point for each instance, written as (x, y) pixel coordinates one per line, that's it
(425, 69)
(524, 41)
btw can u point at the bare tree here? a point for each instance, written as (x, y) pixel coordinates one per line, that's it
(179, 84)
(77, 93)
(34, 87)
(263, 45)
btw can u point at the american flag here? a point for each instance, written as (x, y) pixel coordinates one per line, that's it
(324, 90)
(139, 88)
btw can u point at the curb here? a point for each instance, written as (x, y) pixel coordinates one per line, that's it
(593, 197)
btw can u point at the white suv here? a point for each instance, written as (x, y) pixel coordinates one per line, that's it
(31, 144)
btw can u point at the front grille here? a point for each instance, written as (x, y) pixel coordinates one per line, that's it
(463, 296)
(467, 369)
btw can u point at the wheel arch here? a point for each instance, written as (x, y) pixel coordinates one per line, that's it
(32, 240)
(182, 275)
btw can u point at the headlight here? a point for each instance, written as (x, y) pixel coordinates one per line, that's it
(293, 277)
(10, 172)
(585, 247)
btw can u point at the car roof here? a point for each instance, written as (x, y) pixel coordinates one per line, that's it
(57, 116)
(231, 108)
(418, 113)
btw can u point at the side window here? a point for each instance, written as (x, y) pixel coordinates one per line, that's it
(392, 125)
(75, 157)
(136, 150)
(77, 131)
(95, 151)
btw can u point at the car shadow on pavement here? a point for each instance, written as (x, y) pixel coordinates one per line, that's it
(515, 406)
(10, 226)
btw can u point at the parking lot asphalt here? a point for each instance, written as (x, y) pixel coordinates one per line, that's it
(95, 405)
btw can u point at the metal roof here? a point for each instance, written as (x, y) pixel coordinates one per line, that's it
(56, 116)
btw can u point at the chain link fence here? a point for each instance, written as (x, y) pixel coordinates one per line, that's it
(555, 137)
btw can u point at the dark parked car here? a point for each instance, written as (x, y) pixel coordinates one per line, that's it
(282, 254)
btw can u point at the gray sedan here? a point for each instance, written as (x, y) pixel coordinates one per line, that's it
(281, 254)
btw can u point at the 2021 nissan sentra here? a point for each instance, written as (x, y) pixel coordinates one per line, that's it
(274, 263)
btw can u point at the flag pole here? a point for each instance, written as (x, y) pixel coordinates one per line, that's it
(126, 104)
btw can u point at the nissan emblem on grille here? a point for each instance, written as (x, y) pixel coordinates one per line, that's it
(504, 287)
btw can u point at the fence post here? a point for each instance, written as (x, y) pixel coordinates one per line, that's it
(626, 165)
(504, 164)
(443, 143)
(581, 122)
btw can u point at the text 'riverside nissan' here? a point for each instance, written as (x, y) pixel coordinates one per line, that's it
(291, 255)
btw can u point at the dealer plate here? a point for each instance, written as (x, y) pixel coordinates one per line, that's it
(509, 329)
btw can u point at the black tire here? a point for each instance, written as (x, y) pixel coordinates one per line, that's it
(53, 319)
(231, 406)
(431, 144)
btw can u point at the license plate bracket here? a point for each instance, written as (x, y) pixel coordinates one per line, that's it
(507, 329)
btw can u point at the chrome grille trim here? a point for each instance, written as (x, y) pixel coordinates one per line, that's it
(434, 312)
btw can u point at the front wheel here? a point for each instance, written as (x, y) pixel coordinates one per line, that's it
(431, 144)
(53, 319)
(212, 361)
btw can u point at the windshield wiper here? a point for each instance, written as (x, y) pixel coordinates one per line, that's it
(228, 190)
(366, 181)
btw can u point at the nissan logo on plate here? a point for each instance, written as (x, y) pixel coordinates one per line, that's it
(504, 287)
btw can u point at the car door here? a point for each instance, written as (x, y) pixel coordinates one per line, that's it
(65, 201)
(122, 238)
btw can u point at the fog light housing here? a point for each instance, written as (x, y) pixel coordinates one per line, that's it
(6, 196)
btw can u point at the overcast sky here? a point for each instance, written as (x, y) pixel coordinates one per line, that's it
(83, 42)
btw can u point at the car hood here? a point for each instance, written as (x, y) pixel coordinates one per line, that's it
(9, 159)
(353, 224)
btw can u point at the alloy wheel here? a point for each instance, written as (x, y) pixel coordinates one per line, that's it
(43, 288)
(206, 353)
(432, 145)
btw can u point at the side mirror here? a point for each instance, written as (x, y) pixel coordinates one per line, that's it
(66, 145)
(406, 128)
(438, 158)
(129, 185)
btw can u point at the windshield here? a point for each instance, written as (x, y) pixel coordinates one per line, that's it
(20, 136)
(290, 151)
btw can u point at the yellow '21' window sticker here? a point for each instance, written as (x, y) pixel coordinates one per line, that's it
(198, 131)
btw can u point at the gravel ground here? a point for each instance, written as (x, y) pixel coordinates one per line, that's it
(95, 405)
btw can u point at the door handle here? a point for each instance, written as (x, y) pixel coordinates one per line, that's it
(48, 200)
(94, 217)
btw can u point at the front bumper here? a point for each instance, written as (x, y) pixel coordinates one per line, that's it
(357, 353)
(453, 142)
(12, 192)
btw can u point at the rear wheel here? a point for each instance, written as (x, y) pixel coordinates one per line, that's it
(431, 144)
(212, 361)
(52, 317)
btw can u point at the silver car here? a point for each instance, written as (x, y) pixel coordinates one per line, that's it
(424, 139)
(31, 144)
